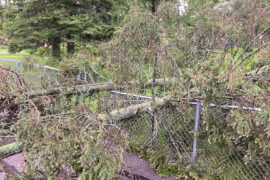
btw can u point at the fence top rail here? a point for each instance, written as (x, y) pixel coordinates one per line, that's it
(37, 65)
(131, 95)
(226, 106)
(10, 60)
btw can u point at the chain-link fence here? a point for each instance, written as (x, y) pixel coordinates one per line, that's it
(177, 132)
(37, 76)
(18, 77)
(232, 158)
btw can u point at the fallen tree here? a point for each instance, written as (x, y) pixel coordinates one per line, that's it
(10, 149)
(84, 89)
(113, 116)
(134, 110)
(261, 74)
(91, 88)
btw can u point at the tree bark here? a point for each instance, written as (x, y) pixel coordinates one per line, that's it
(56, 49)
(89, 88)
(260, 74)
(70, 48)
(153, 6)
(10, 149)
(134, 110)
(70, 45)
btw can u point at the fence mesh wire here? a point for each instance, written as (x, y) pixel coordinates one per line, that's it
(169, 129)
(229, 159)
(36, 75)
(164, 130)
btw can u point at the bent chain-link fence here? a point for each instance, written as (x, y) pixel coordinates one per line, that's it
(227, 159)
(165, 130)
(170, 130)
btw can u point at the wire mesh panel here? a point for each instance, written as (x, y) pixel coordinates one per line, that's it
(17, 78)
(36, 76)
(39, 77)
(171, 130)
(224, 158)
(167, 129)
(225, 161)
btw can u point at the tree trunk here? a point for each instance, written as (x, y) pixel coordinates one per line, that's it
(70, 48)
(70, 45)
(56, 48)
(153, 6)
(89, 88)
(10, 149)
(134, 110)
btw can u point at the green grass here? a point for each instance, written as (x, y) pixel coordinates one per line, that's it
(4, 54)
(6, 64)
(34, 76)
(248, 63)
(23, 56)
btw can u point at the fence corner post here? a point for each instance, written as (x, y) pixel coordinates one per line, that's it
(196, 129)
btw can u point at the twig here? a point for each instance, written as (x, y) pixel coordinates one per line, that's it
(249, 55)
(21, 81)
(251, 43)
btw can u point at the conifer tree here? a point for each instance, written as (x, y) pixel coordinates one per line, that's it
(30, 24)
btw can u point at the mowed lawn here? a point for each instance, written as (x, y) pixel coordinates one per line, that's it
(4, 54)
(34, 76)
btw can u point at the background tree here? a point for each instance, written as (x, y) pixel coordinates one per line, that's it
(30, 24)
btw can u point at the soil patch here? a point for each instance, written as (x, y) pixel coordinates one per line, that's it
(137, 166)
(11, 165)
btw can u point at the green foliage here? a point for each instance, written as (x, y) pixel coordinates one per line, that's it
(31, 24)
(8, 88)
(43, 51)
(195, 50)
(159, 161)
(88, 65)
(236, 130)
(139, 43)
(213, 70)
(74, 141)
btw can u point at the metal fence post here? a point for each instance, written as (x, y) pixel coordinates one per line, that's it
(196, 129)
(77, 95)
(17, 66)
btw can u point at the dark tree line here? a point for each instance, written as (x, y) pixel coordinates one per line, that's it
(31, 24)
